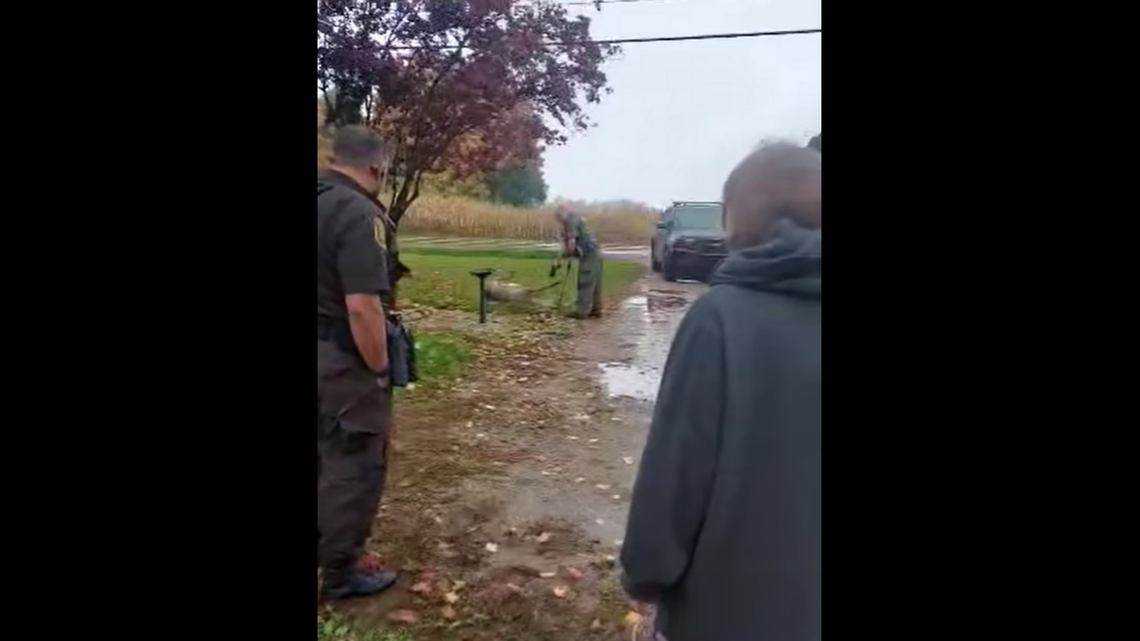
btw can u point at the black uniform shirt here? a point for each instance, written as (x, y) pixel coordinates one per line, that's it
(349, 258)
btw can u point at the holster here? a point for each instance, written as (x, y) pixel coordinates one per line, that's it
(401, 352)
(401, 346)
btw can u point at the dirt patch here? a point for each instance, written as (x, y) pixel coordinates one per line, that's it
(509, 489)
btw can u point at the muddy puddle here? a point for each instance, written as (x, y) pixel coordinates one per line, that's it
(647, 325)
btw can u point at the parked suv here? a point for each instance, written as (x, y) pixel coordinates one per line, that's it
(689, 243)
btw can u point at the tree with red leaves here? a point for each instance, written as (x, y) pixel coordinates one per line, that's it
(462, 86)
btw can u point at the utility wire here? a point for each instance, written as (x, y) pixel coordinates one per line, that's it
(622, 41)
(707, 36)
(585, 3)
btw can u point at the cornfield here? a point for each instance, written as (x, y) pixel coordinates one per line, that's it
(433, 215)
(625, 223)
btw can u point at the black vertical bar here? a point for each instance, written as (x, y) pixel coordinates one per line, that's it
(482, 300)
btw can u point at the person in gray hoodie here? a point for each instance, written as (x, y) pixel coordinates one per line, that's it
(725, 533)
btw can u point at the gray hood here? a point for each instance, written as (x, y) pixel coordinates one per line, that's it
(791, 263)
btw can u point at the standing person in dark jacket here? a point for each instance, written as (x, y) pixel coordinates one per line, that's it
(725, 530)
(354, 401)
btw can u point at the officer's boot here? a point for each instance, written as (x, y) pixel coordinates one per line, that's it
(355, 583)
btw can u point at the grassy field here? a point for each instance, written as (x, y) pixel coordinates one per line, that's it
(442, 355)
(476, 253)
(442, 279)
(618, 223)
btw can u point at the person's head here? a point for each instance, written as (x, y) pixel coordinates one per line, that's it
(562, 212)
(360, 153)
(778, 180)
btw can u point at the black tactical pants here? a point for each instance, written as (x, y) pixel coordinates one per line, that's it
(353, 418)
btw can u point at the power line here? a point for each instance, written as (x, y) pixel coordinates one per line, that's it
(622, 41)
(707, 36)
(585, 3)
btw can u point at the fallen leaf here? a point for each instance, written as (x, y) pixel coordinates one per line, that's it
(574, 573)
(548, 575)
(407, 617)
(633, 620)
(544, 537)
(372, 563)
(492, 548)
(628, 460)
(602, 488)
(423, 589)
(562, 592)
(451, 598)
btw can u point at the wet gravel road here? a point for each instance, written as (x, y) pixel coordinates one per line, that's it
(582, 470)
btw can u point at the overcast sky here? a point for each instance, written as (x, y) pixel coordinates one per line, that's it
(683, 113)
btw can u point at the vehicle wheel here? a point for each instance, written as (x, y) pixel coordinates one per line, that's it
(653, 263)
(669, 270)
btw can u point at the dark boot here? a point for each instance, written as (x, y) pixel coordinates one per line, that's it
(358, 584)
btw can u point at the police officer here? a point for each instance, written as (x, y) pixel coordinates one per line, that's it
(577, 241)
(354, 401)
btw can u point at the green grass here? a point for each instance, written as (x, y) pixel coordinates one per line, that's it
(336, 629)
(441, 355)
(441, 278)
(481, 252)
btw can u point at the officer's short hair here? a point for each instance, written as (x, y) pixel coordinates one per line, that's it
(359, 146)
(777, 180)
